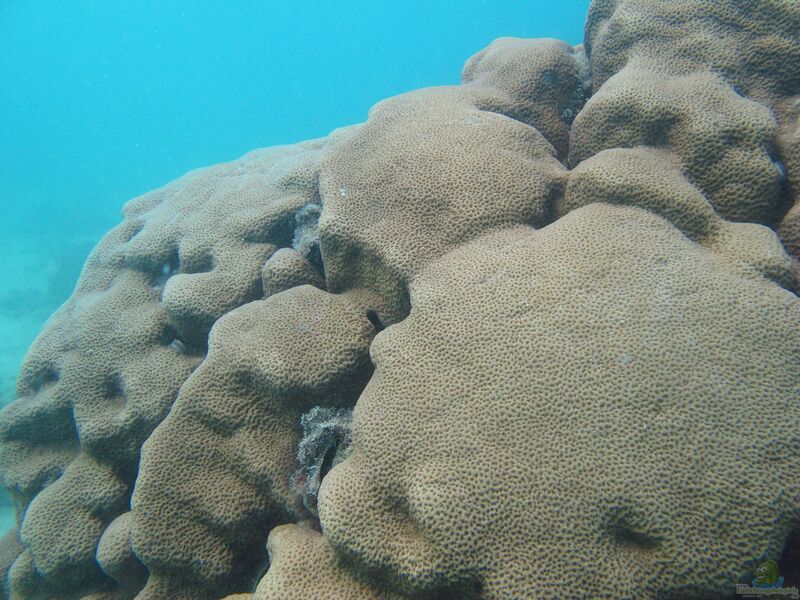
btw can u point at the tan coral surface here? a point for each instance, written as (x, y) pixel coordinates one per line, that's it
(305, 567)
(109, 364)
(228, 446)
(702, 79)
(619, 419)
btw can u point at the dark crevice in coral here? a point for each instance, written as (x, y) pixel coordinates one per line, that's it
(518, 116)
(160, 274)
(567, 116)
(789, 560)
(130, 230)
(45, 378)
(115, 390)
(627, 536)
(468, 591)
(315, 258)
(316, 195)
(580, 93)
(127, 471)
(327, 461)
(305, 239)
(50, 424)
(377, 324)
(467, 587)
(65, 445)
(252, 560)
(548, 214)
(786, 195)
(170, 338)
(658, 132)
(178, 346)
(277, 232)
(308, 215)
(624, 526)
(383, 282)
(404, 305)
(738, 91)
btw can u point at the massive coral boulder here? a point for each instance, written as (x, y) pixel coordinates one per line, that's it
(565, 337)
(433, 168)
(619, 419)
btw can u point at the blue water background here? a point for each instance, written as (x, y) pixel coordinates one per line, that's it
(102, 100)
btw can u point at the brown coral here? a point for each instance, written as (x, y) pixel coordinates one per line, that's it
(619, 409)
(304, 566)
(706, 81)
(228, 446)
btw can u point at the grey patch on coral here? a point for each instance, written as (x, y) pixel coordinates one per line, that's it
(781, 169)
(178, 346)
(306, 235)
(325, 443)
(582, 91)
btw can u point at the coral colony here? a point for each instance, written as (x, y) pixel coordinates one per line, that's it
(530, 336)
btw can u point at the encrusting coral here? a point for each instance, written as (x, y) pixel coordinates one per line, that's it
(559, 301)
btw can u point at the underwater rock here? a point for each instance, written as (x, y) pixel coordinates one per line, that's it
(558, 300)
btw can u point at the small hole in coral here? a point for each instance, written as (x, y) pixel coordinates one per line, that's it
(327, 462)
(626, 528)
(165, 270)
(375, 320)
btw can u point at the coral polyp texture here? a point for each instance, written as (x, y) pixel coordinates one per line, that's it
(535, 335)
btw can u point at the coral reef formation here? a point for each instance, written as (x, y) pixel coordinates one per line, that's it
(531, 336)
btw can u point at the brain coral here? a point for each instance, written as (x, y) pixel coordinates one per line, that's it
(558, 300)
